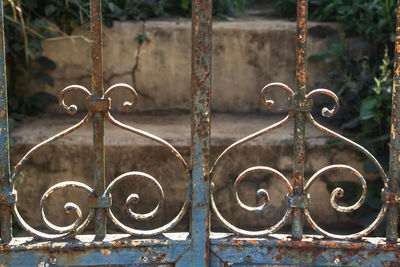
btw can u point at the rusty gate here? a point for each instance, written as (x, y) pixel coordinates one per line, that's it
(200, 247)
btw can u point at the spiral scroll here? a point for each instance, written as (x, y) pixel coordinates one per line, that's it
(80, 223)
(134, 198)
(303, 106)
(261, 193)
(61, 232)
(338, 192)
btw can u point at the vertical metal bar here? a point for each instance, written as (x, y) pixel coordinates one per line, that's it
(5, 186)
(300, 119)
(394, 163)
(200, 154)
(98, 117)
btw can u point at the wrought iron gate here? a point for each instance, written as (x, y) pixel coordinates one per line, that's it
(200, 247)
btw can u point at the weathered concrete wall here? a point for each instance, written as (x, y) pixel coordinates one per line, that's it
(246, 56)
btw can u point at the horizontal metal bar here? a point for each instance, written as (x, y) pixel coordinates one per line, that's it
(226, 248)
(311, 250)
(84, 251)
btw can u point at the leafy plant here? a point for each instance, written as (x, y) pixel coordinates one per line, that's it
(24, 32)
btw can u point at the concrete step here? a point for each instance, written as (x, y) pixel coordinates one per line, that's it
(247, 55)
(70, 158)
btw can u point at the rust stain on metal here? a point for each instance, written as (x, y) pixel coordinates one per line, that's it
(105, 252)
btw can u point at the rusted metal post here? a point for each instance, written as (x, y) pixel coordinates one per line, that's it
(98, 117)
(394, 164)
(200, 154)
(300, 117)
(5, 186)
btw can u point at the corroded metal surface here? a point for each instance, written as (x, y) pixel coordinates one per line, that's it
(200, 131)
(310, 251)
(300, 106)
(299, 133)
(199, 247)
(103, 200)
(300, 201)
(394, 162)
(85, 251)
(98, 117)
(6, 188)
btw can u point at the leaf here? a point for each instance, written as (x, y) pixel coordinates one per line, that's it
(41, 100)
(316, 58)
(367, 109)
(39, 23)
(359, 45)
(44, 77)
(50, 9)
(35, 44)
(185, 4)
(47, 63)
(115, 10)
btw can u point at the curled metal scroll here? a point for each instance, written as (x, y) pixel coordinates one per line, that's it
(72, 109)
(338, 192)
(60, 232)
(134, 197)
(261, 193)
(80, 223)
(305, 107)
(127, 106)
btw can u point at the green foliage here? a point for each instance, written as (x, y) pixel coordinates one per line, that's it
(285, 8)
(69, 14)
(24, 32)
(144, 9)
(375, 19)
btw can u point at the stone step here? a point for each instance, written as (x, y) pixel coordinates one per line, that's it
(70, 158)
(247, 55)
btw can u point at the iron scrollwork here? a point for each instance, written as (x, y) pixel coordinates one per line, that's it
(104, 201)
(301, 201)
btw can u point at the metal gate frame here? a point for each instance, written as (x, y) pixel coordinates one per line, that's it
(200, 246)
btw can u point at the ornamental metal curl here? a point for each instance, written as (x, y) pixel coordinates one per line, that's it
(382, 174)
(134, 197)
(72, 109)
(61, 232)
(79, 225)
(103, 105)
(261, 192)
(303, 106)
(339, 192)
(127, 106)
